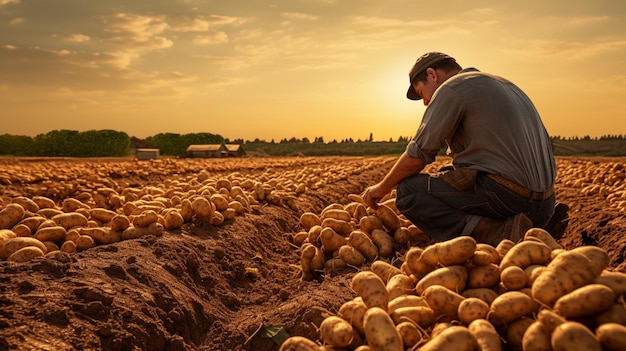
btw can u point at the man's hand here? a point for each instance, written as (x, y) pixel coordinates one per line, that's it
(373, 195)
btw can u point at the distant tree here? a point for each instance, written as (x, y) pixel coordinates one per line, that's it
(371, 138)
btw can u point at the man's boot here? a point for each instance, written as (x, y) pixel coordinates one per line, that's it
(559, 221)
(492, 231)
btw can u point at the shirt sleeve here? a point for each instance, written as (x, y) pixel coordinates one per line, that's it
(441, 119)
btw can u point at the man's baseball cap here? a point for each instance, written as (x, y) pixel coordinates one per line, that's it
(422, 63)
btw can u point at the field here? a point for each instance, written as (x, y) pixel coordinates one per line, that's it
(222, 285)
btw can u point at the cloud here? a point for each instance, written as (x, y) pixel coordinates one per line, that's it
(299, 16)
(17, 20)
(6, 2)
(137, 32)
(211, 39)
(77, 38)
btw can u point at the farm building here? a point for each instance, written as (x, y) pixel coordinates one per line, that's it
(207, 150)
(235, 150)
(147, 154)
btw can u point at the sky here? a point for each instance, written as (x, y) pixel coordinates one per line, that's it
(272, 70)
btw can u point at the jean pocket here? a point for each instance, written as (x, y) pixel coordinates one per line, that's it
(462, 179)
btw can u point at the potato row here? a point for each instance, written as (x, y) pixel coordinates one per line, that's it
(99, 215)
(462, 295)
(606, 179)
(352, 235)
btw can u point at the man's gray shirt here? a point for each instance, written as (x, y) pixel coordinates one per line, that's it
(489, 124)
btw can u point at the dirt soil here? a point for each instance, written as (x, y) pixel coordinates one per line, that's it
(232, 287)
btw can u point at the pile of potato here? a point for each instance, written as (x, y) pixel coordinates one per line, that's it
(353, 234)
(99, 210)
(607, 179)
(462, 295)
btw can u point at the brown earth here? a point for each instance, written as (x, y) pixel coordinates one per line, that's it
(232, 287)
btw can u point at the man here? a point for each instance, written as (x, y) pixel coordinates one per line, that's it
(501, 180)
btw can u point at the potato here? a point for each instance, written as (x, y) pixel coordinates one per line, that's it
(510, 306)
(454, 338)
(26, 254)
(543, 236)
(565, 273)
(369, 223)
(485, 254)
(526, 253)
(102, 214)
(335, 331)
(145, 219)
(532, 272)
(339, 226)
(186, 210)
(409, 333)
(587, 300)
(401, 236)
(405, 301)
(350, 255)
(331, 240)
(423, 316)
(485, 294)
(340, 214)
(299, 343)
(536, 338)
(220, 201)
(71, 205)
(418, 267)
(6, 235)
(503, 247)
(173, 219)
(10, 215)
(371, 288)
(451, 277)
(229, 213)
(21, 230)
(56, 233)
(380, 332)
(472, 308)
(389, 217)
(119, 222)
(513, 278)
(400, 284)
(68, 246)
(101, 235)
(612, 336)
(550, 320)
(451, 252)
(515, 333)
(27, 204)
(485, 276)
(84, 242)
(43, 202)
(364, 244)
(203, 208)
(353, 312)
(12, 245)
(443, 301)
(383, 241)
(485, 334)
(134, 232)
(614, 280)
(312, 259)
(334, 264)
(33, 222)
(573, 336)
(50, 246)
(417, 235)
(217, 218)
(385, 270)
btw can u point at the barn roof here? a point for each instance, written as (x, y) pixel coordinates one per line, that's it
(205, 147)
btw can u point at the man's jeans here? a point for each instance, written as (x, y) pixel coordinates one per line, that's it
(443, 212)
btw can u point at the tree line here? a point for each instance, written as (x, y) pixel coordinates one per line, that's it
(110, 143)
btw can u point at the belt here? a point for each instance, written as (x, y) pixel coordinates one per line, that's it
(520, 190)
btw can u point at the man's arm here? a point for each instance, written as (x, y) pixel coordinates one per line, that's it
(404, 167)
